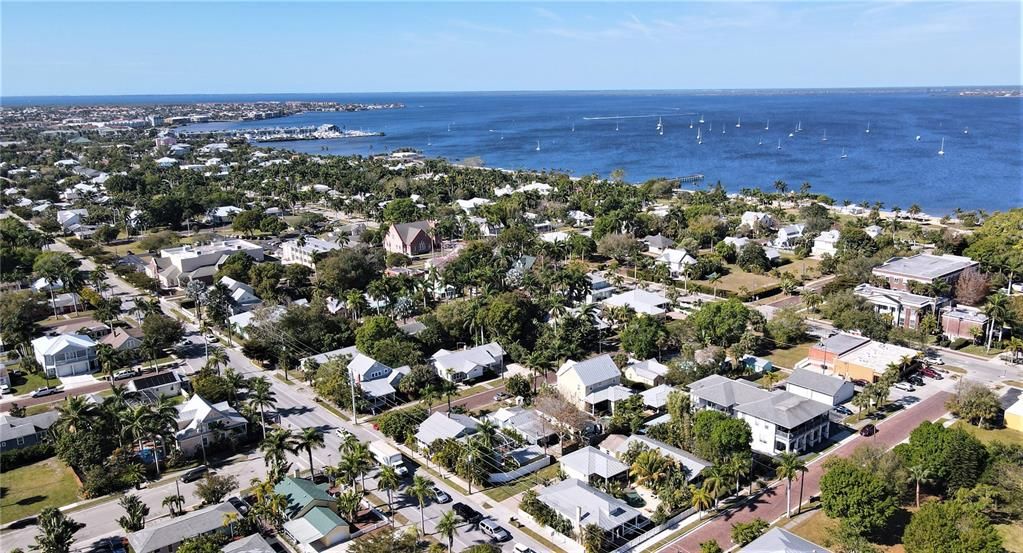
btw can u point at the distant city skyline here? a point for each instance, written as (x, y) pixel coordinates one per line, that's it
(84, 48)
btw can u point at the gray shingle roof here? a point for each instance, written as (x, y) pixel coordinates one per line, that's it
(251, 544)
(784, 409)
(815, 381)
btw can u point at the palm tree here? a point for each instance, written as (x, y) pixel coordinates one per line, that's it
(261, 397)
(98, 279)
(919, 474)
(713, 279)
(649, 467)
(789, 466)
(361, 459)
(714, 481)
(388, 481)
(135, 512)
(135, 421)
(76, 413)
(421, 489)
(998, 310)
(234, 381)
(348, 503)
(447, 526)
(592, 537)
(275, 447)
(174, 503)
(739, 466)
(216, 358)
(701, 499)
(308, 439)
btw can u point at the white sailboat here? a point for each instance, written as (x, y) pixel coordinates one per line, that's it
(825, 138)
(616, 125)
(711, 125)
(799, 126)
(843, 154)
(868, 127)
(767, 127)
(699, 135)
(701, 118)
(449, 127)
(722, 129)
(792, 134)
(918, 138)
(760, 141)
(779, 143)
(941, 151)
(966, 130)
(660, 131)
(428, 141)
(573, 127)
(538, 145)
(738, 124)
(660, 124)
(690, 123)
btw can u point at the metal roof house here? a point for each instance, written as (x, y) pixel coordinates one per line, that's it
(583, 505)
(166, 537)
(592, 465)
(780, 540)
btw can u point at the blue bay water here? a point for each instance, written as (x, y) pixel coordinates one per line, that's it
(981, 169)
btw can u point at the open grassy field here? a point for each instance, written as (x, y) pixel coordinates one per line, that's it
(986, 435)
(820, 529)
(737, 279)
(1012, 537)
(28, 490)
(787, 357)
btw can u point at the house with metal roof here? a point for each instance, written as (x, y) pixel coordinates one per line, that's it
(319, 529)
(640, 301)
(303, 495)
(66, 354)
(817, 386)
(532, 426)
(440, 426)
(656, 398)
(377, 381)
(780, 540)
(657, 243)
(165, 536)
(468, 364)
(579, 381)
(583, 505)
(201, 424)
(650, 372)
(693, 465)
(592, 465)
(255, 543)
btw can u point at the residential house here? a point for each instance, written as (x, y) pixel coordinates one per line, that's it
(964, 322)
(19, 432)
(677, 261)
(757, 365)
(411, 239)
(826, 243)
(166, 162)
(532, 426)
(469, 364)
(658, 243)
(906, 309)
(779, 421)
(163, 384)
(241, 296)
(202, 424)
(179, 266)
(320, 529)
(640, 301)
(650, 372)
(751, 219)
(167, 535)
(693, 465)
(789, 236)
(736, 243)
(826, 389)
(581, 382)
(869, 361)
(222, 215)
(241, 322)
(132, 261)
(70, 218)
(922, 269)
(470, 206)
(445, 426)
(306, 251)
(780, 540)
(873, 231)
(66, 354)
(124, 339)
(600, 288)
(583, 505)
(580, 218)
(303, 496)
(378, 382)
(656, 398)
(1013, 416)
(65, 303)
(592, 465)
(249, 544)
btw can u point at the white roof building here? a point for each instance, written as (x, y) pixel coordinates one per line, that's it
(640, 301)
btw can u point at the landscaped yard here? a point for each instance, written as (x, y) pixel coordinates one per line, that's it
(985, 435)
(787, 357)
(808, 267)
(28, 490)
(500, 493)
(982, 350)
(737, 279)
(821, 529)
(28, 382)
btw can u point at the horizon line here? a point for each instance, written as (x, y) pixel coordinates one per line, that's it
(520, 91)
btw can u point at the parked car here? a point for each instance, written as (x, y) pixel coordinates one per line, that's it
(905, 386)
(868, 430)
(927, 371)
(195, 474)
(501, 396)
(934, 359)
(842, 410)
(4, 389)
(440, 495)
(45, 391)
(239, 504)
(519, 548)
(467, 513)
(859, 382)
(491, 528)
(126, 373)
(633, 498)
(915, 380)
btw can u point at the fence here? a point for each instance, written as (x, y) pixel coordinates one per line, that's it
(502, 477)
(653, 532)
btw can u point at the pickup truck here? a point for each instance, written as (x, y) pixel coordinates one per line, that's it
(388, 455)
(47, 391)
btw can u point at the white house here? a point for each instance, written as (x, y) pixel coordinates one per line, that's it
(468, 364)
(579, 380)
(592, 465)
(640, 301)
(241, 296)
(600, 288)
(201, 424)
(788, 236)
(469, 206)
(580, 218)
(677, 261)
(825, 243)
(166, 162)
(736, 242)
(68, 218)
(445, 426)
(826, 389)
(180, 265)
(294, 252)
(66, 354)
(658, 243)
(650, 372)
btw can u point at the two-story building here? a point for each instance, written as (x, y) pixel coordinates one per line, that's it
(586, 383)
(964, 322)
(306, 251)
(411, 239)
(66, 354)
(922, 268)
(469, 364)
(906, 309)
(201, 424)
(181, 265)
(826, 243)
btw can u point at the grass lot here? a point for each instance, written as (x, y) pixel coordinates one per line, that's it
(28, 382)
(985, 435)
(809, 267)
(737, 278)
(982, 351)
(500, 493)
(28, 490)
(952, 369)
(788, 357)
(820, 529)
(1012, 537)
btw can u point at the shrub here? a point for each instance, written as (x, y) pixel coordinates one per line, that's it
(16, 458)
(544, 515)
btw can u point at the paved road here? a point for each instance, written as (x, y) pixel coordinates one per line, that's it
(771, 504)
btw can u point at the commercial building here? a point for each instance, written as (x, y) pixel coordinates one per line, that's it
(923, 269)
(869, 361)
(964, 322)
(826, 389)
(306, 251)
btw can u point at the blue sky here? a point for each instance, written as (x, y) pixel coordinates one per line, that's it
(161, 48)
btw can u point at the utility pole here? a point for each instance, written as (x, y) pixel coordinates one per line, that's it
(351, 385)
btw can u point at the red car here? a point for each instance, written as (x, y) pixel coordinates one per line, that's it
(860, 382)
(868, 430)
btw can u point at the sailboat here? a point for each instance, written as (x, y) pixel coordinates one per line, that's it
(699, 135)
(690, 123)
(868, 127)
(843, 154)
(660, 124)
(767, 127)
(825, 139)
(712, 125)
(538, 145)
(918, 138)
(941, 152)
(966, 130)
(738, 124)
(792, 134)
(722, 129)
(779, 143)
(799, 126)
(760, 141)
(573, 127)
(701, 118)
(660, 130)
(449, 127)
(616, 125)
(428, 141)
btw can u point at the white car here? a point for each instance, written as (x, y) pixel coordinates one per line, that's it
(934, 359)
(905, 386)
(4, 389)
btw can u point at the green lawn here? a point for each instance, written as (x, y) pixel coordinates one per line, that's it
(982, 350)
(500, 493)
(986, 435)
(28, 490)
(787, 357)
(737, 279)
(28, 382)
